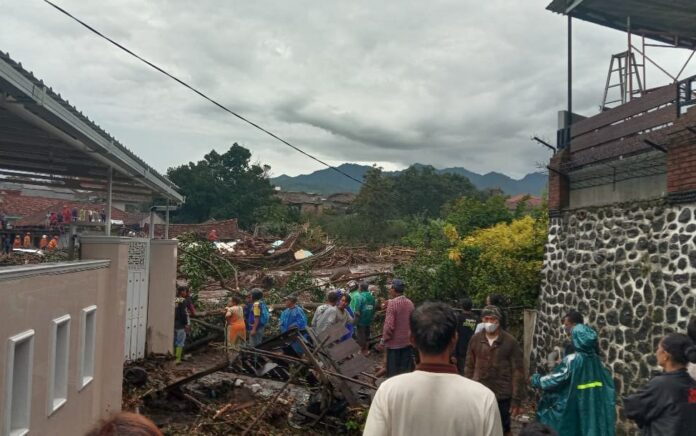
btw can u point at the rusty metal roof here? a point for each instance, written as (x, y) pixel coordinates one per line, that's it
(669, 21)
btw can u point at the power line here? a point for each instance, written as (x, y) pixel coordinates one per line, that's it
(181, 82)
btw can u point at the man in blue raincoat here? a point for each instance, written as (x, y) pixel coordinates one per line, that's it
(293, 317)
(579, 396)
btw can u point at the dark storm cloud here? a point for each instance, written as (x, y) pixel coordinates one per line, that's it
(448, 83)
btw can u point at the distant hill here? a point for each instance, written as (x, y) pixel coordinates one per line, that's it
(327, 181)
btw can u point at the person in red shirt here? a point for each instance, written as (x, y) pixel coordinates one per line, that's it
(66, 214)
(213, 236)
(396, 333)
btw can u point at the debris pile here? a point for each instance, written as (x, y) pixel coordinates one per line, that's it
(263, 390)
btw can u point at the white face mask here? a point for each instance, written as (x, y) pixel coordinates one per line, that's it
(490, 326)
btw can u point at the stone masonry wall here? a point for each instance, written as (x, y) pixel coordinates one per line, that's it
(631, 270)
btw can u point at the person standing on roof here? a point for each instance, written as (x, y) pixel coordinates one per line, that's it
(66, 214)
(258, 317)
(213, 236)
(396, 333)
(579, 383)
(494, 358)
(364, 314)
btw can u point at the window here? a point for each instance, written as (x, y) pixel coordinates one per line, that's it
(89, 326)
(20, 356)
(58, 376)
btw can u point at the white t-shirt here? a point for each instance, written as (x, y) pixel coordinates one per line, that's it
(433, 404)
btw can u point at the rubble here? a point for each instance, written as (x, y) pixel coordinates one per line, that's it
(255, 391)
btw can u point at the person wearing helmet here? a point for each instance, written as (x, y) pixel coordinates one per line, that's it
(44, 242)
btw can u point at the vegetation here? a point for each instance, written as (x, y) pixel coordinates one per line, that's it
(478, 248)
(199, 260)
(225, 186)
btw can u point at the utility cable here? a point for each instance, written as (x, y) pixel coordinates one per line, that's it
(200, 93)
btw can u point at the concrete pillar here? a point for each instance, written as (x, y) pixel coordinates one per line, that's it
(112, 312)
(160, 307)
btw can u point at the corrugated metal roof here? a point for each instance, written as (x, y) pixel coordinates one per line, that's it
(670, 21)
(25, 88)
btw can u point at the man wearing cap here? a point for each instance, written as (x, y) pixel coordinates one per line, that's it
(494, 358)
(396, 332)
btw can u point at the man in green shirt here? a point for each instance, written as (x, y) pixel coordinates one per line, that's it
(354, 292)
(364, 314)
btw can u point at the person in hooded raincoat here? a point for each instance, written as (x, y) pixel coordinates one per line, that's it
(579, 395)
(293, 317)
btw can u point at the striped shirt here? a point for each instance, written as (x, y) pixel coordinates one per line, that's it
(397, 332)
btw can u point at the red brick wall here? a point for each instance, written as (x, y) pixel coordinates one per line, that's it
(558, 184)
(681, 167)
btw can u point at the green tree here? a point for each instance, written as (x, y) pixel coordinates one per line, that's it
(223, 186)
(469, 213)
(422, 190)
(375, 202)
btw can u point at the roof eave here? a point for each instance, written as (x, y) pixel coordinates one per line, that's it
(107, 150)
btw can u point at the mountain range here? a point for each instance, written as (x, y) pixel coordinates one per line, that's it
(328, 181)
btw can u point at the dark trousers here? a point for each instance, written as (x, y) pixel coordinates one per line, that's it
(461, 361)
(504, 407)
(399, 361)
(363, 335)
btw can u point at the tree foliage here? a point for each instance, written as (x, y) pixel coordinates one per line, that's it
(468, 214)
(223, 186)
(418, 190)
(504, 259)
(476, 250)
(199, 261)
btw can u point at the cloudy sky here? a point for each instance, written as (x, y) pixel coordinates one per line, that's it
(448, 83)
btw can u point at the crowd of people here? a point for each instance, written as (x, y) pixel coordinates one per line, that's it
(27, 242)
(437, 357)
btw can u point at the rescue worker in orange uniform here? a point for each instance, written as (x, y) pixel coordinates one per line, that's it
(53, 244)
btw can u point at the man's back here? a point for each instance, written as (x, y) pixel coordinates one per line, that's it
(324, 317)
(433, 403)
(366, 308)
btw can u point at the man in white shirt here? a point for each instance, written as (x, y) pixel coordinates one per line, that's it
(434, 399)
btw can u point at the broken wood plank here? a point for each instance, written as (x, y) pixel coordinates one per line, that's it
(332, 334)
(343, 350)
(354, 366)
(196, 376)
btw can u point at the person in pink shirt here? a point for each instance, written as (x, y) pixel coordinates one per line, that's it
(396, 333)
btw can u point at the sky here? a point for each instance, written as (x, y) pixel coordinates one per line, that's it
(447, 83)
